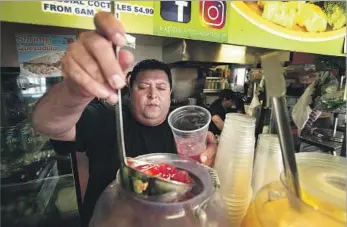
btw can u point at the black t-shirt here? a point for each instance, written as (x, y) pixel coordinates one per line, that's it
(239, 106)
(216, 108)
(96, 135)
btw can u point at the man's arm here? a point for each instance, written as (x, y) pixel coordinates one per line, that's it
(57, 113)
(218, 122)
(240, 106)
(91, 69)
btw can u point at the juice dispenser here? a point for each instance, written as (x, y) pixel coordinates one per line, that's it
(323, 196)
(204, 207)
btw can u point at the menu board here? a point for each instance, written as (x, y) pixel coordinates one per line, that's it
(137, 16)
(40, 55)
(236, 22)
(78, 8)
(296, 26)
(72, 14)
(273, 27)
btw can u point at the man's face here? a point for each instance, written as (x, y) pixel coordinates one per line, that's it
(150, 97)
(228, 103)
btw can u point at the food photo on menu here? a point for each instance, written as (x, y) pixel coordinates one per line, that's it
(46, 64)
(298, 20)
(40, 55)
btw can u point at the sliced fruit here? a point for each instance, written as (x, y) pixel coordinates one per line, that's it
(166, 171)
(149, 169)
(182, 176)
(312, 17)
(282, 13)
(139, 186)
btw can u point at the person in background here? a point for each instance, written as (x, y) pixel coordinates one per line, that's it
(75, 120)
(126, 90)
(238, 104)
(227, 103)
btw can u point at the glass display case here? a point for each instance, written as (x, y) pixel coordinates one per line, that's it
(35, 181)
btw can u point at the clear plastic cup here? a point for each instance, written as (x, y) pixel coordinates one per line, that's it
(236, 193)
(235, 205)
(237, 151)
(268, 161)
(237, 140)
(189, 125)
(238, 148)
(235, 214)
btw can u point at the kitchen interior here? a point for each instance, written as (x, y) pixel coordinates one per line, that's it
(38, 185)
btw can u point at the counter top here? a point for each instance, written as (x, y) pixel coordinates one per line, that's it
(34, 204)
(325, 144)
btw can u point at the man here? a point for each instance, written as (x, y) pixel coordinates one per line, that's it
(225, 104)
(70, 110)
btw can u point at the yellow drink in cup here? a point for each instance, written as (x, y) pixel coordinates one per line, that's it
(323, 191)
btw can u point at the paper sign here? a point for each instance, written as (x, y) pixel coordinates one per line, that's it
(40, 55)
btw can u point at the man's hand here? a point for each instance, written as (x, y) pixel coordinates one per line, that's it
(209, 155)
(91, 69)
(218, 122)
(90, 66)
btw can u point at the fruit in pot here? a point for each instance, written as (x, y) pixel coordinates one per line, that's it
(165, 171)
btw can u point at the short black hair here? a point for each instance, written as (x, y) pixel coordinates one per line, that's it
(227, 94)
(150, 64)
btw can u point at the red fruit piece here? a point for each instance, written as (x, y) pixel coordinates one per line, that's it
(165, 171)
(182, 176)
(149, 169)
(168, 169)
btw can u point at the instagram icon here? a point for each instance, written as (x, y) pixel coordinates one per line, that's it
(213, 13)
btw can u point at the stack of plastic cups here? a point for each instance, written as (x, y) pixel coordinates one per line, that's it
(234, 164)
(268, 161)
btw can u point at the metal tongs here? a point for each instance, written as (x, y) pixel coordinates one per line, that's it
(276, 89)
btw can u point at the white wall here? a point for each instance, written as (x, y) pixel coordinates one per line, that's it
(146, 47)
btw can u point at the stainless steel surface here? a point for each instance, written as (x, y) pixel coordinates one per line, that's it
(275, 85)
(119, 116)
(185, 82)
(287, 143)
(335, 124)
(120, 132)
(326, 134)
(325, 145)
(192, 101)
(200, 51)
